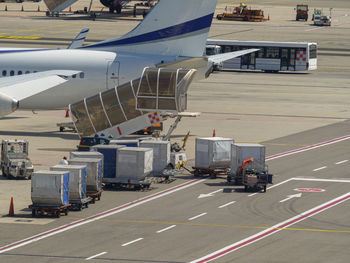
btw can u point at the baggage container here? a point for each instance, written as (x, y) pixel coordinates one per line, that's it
(93, 172)
(213, 152)
(243, 151)
(127, 143)
(87, 154)
(77, 180)
(50, 188)
(134, 164)
(110, 159)
(161, 154)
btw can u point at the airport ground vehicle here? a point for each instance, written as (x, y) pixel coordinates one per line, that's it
(14, 159)
(320, 19)
(242, 13)
(254, 179)
(88, 141)
(271, 57)
(156, 128)
(66, 125)
(302, 12)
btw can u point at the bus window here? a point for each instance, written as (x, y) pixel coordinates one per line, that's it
(313, 51)
(272, 52)
(261, 52)
(226, 49)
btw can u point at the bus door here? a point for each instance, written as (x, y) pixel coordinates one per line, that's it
(291, 65)
(284, 58)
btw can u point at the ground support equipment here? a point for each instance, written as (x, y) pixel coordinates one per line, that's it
(40, 210)
(79, 204)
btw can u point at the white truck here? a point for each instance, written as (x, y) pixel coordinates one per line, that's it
(320, 19)
(14, 159)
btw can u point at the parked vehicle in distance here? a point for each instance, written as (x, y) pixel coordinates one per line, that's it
(86, 142)
(302, 12)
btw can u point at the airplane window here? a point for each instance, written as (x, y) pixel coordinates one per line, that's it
(35, 71)
(19, 72)
(27, 72)
(4, 73)
(81, 75)
(12, 73)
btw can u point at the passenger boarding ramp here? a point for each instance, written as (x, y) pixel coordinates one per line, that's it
(133, 106)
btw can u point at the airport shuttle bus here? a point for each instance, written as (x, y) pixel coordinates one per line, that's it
(271, 57)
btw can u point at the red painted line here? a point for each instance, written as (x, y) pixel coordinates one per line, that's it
(97, 215)
(277, 228)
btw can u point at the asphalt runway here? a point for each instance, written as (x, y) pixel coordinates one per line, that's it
(287, 111)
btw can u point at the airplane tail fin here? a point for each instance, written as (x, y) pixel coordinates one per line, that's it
(171, 28)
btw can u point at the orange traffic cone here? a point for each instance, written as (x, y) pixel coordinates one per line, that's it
(214, 134)
(11, 210)
(67, 113)
(38, 8)
(22, 8)
(70, 9)
(5, 7)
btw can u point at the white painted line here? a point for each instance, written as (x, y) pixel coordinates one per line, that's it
(308, 148)
(95, 256)
(99, 216)
(230, 203)
(315, 28)
(321, 168)
(131, 242)
(210, 194)
(192, 218)
(344, 161)
(165, 229)
(321, 180)
(275, 185)
(272, 230)
(290, 197)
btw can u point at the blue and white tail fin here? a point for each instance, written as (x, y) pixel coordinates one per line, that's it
(171, 28)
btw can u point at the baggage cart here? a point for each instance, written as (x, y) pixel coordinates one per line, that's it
(51, 210)
(94, 195)
(79, 204)
(213, 173)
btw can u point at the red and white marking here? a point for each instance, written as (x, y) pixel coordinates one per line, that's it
(272, 230)
(154, 117)
(315, 190)
(301, 55)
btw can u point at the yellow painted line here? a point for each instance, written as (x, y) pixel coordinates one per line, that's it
(214, 225)
(19, 37)
(45, 27)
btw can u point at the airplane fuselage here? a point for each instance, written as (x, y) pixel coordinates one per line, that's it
(101, 70)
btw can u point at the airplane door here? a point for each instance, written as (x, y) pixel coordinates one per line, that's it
(112, 74)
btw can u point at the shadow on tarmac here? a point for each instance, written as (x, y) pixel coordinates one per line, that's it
(52, 134)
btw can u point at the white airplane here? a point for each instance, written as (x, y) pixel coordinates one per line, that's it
(173, 32)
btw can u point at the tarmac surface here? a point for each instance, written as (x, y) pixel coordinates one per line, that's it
(285, 111)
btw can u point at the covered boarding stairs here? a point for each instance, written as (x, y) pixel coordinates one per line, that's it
(133, 106)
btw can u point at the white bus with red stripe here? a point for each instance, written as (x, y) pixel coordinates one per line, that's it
(272, 56)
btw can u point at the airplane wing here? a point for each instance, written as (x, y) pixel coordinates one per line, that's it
(229, 55)
(78, 41)
(24, 86)
(16, 88)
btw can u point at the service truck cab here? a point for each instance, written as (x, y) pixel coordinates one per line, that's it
(302, 12)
